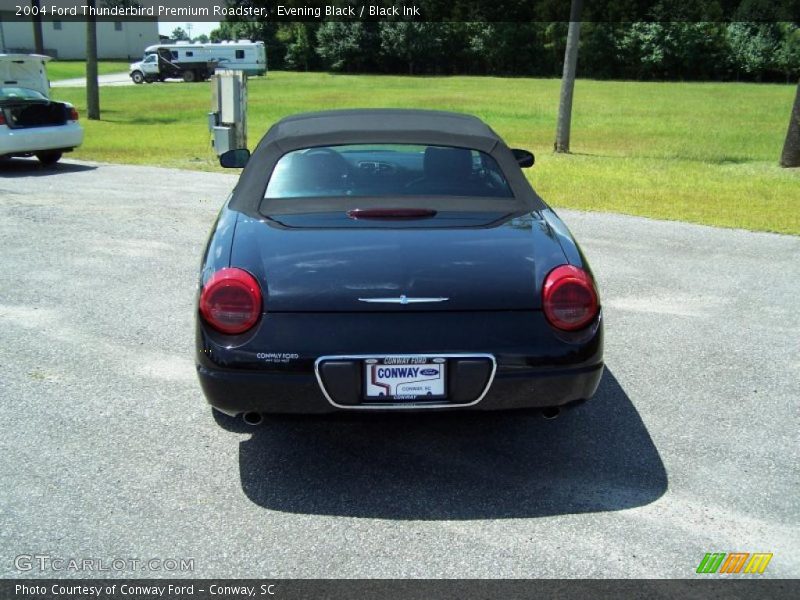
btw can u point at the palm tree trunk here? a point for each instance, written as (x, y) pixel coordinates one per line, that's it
(790, 157)
(568, 78)
(38, 42)
(92, 87)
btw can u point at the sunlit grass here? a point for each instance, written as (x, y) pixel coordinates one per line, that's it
(699, 152)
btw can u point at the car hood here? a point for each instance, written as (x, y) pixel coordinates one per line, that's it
(454, 261)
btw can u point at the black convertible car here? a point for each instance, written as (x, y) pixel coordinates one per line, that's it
(380, 260)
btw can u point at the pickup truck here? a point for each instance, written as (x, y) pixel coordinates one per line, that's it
(31, 124)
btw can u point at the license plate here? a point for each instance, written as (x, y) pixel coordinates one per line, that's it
(400, 378)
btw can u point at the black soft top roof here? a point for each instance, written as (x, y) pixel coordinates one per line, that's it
(382, 125)
(379, 126)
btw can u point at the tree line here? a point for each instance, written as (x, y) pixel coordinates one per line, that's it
(749, 51)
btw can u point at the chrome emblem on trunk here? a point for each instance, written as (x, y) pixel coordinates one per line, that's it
(402, 300)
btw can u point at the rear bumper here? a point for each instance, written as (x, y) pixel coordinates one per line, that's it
(35, 139)
(532, 366)
(233, 393)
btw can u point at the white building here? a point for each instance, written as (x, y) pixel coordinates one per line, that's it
(67, 39)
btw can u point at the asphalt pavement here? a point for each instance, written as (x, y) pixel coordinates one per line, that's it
(109, 450)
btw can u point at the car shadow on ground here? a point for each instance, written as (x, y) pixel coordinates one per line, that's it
(31, 167)
(596, 457)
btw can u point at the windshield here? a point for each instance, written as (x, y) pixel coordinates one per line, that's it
(386, 170)
(21, 93)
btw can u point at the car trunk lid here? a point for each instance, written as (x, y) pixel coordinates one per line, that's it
(450, 260)
(25, 70)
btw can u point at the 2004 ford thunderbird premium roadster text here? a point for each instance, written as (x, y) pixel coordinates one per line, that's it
(392, 260)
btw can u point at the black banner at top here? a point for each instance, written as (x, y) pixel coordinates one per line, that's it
(400, 10)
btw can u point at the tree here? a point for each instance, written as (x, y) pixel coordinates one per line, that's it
(298, 41)
(554, 42)
(347, 46)
(752, 46)
(178, 34)
(568, 78)
(410, 43)
(38, 43)
(600, 54)
(239, 30)
(92, 87)
(674, 50)
(201, 39)
(790, 157)
(787, 57)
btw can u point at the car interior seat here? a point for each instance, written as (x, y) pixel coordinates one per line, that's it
(446, 171)
(316, 172)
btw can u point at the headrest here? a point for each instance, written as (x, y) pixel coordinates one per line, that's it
(451, 163)
(317, 169)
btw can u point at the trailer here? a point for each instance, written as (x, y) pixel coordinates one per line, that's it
(244, 55)
(190, 62)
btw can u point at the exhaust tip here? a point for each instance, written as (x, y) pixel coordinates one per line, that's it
(253, 418)
(551, 412)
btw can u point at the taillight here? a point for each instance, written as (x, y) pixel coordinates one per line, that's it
(569, 298)
(73, 114)
(231, 301)
(2, 118)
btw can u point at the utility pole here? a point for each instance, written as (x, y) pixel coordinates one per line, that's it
(92, 86)
(36, 17)
(568, 78)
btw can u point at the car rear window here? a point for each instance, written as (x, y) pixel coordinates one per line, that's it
(386, 170)
(9, 93)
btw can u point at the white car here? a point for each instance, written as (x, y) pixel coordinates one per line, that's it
(30, 123)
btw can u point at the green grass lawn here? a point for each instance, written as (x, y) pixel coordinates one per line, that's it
(70, 69)
(700, 152)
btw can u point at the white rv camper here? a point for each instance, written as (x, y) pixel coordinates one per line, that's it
(244, 55)
(191, 62)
